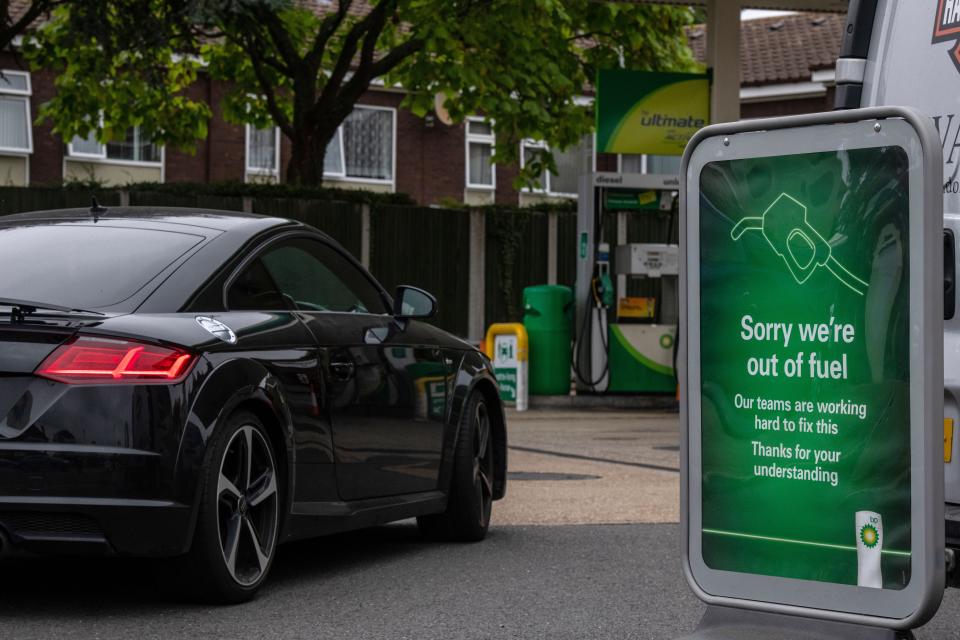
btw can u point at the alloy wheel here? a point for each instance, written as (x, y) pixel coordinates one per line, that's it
(483, 462)
(247, 506)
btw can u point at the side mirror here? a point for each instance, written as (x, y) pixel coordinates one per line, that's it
(411, 302)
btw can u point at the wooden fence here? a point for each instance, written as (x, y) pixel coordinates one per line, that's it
(476, 262)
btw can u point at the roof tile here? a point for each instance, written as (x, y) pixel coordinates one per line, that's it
(781, 49)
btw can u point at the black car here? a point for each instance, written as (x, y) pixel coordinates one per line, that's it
(204, 385)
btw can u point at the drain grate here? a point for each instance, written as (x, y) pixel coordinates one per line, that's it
(534, 475)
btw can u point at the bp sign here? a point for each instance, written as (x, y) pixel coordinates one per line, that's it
(649, 111)
(813, 340)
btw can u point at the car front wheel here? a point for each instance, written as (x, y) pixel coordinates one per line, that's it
(470, 500)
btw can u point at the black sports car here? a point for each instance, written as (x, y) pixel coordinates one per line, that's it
(205, 385)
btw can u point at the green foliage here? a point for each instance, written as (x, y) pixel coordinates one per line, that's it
(521, 63)
(107, 94)
(508, 228)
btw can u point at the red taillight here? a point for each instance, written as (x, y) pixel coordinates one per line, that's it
(103, 360)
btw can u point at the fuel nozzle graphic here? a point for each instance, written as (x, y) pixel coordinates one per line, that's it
(784, 225)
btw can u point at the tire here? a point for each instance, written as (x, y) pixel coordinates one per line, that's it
(238, 520)
(470, 499)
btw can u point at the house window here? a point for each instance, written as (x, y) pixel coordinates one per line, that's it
(333, 160)
(632, 163)
(364, 146)
(263, 150)
(571, 164)
(135, 148)
(15, 131)
(664, 165)
(481, 172)
(660, 165)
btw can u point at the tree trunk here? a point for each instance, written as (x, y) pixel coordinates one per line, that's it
(308, 152)
(304, 167)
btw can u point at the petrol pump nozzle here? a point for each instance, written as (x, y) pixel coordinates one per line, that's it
(603, 290)
(784, 225)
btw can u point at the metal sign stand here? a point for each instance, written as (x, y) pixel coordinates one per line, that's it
(747, 598)
(727, 623)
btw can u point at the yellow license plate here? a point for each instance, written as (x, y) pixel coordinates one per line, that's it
(947, 439)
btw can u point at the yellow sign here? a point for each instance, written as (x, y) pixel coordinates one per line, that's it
(947, 439)
(507, 346)
(635, 307)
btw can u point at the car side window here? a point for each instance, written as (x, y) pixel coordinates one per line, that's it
(254, 290)
(316, 277)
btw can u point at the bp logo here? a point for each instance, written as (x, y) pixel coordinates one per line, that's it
(947, 27)
(666, 341)
(869, 536)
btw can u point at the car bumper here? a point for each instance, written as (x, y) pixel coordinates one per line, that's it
(92, 526)
(81, 499)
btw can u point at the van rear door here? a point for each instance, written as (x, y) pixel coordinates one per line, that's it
(911, 57)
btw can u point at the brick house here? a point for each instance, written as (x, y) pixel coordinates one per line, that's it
(786, 67)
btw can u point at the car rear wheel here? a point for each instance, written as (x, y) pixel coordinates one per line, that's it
(238, 521)
(470, 501)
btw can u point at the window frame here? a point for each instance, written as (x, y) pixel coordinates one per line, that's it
(104, 159)
(478, 138)
(547, 190)
(269, 243)
(530, 143)
(342, 174)
(25, 95)
(260, 171)
(345, 177)
(643, 162)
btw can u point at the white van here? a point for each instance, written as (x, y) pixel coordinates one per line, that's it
(907, 52)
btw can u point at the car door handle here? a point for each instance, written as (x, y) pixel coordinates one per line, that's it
(342, 370)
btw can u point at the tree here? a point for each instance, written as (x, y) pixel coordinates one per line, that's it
(521, 63)
(18, 16)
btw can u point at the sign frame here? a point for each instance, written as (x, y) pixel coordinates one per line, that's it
(908, 607)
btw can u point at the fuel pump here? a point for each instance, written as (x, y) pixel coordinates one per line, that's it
(624, 344)
(596, 323)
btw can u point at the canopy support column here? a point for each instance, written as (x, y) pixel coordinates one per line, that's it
(723, 57)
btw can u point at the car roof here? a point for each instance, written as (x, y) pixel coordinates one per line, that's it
(227, 234)
(214, 219)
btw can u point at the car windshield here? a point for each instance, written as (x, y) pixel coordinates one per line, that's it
(84, 265)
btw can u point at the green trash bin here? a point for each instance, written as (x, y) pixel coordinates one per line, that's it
(548, 319)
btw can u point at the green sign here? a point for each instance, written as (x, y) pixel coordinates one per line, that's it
(805, 375)
(626, 199)
(506, 366)
(649, 112)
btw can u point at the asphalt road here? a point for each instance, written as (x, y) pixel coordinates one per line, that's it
(577, 582)
(585, 546)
